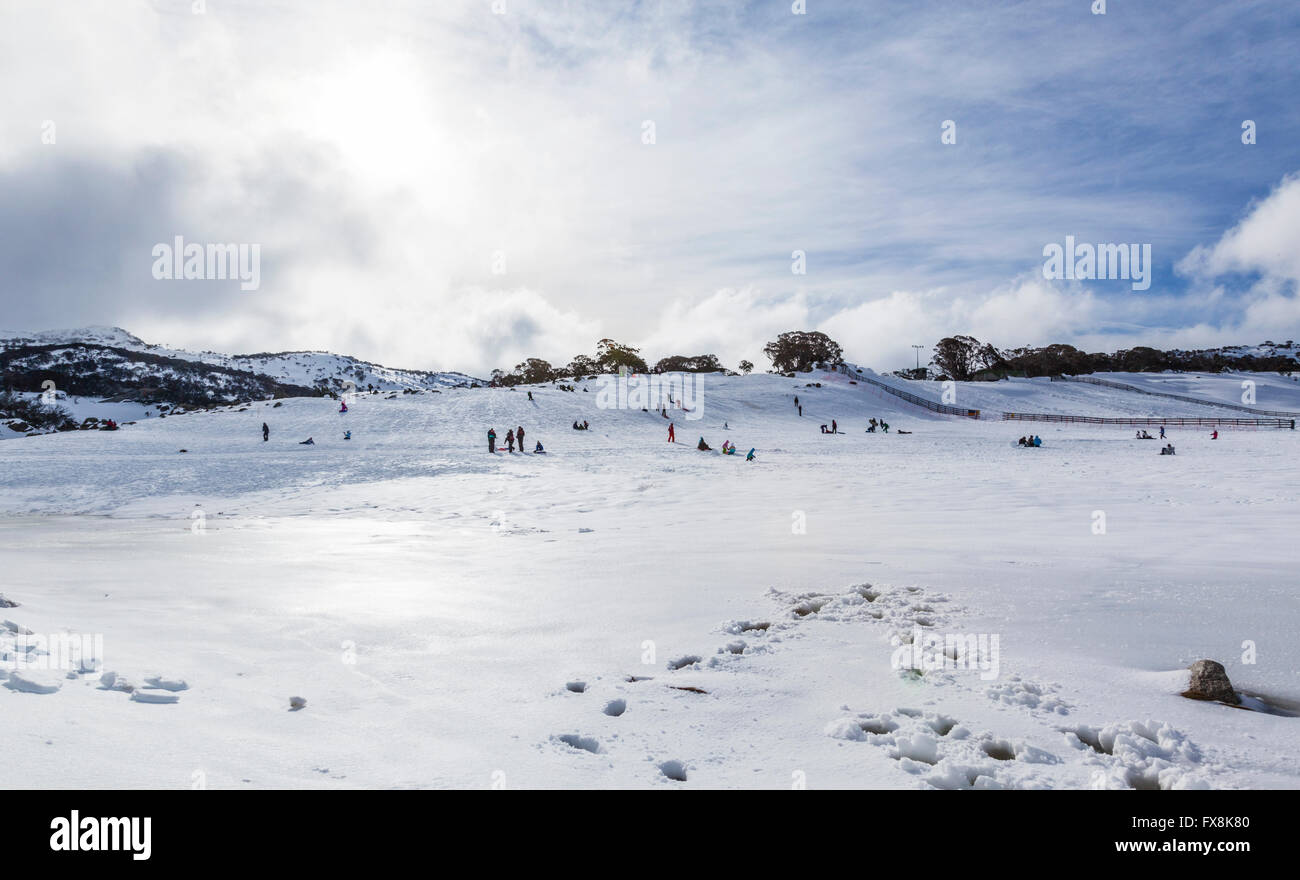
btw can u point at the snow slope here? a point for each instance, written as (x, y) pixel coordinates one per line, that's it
(304, 368)
(1042, 395)
(1272, 392)
(459, 619)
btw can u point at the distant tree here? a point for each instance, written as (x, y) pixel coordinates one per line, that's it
(701, 363)
(534, 371)
(797, 351)
(34, 413)
(1142, 359)
(961, 357)
(746, 367)
(580, 366)
(611, 355)
(1053, 360)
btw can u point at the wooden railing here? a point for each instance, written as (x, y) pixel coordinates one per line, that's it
(914, 399)
(1196, 422)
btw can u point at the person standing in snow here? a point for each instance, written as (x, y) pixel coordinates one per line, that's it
(530, 395)
(519, 437)
(835, 429)
(796, 400)
(672, 437)
(1215, 434)
(750, 457)
(510, 440)
(492, 440)
(1162, 432)
(266, 432)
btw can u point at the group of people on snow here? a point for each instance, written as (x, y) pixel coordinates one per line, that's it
(728, 448)
(1033, 441)
(513, 436)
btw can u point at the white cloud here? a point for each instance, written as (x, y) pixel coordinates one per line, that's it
(1266, 241)
(381, 155)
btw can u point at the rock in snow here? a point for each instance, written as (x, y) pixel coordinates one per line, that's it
(1210, 682)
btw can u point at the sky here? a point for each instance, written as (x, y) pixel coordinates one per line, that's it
(461, 185)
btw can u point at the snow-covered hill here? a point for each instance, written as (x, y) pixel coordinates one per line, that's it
(93, 370)
(310, 369)
(622, 611)
(1287, 349)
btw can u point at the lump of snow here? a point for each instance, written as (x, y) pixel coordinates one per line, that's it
(6, 602)
(111, 681)
(920, 748)
(577, 687)
(736, 627)
(296, 703)
(24, 683)
(1034, 755)
(615, 708)
(149, 697)
(684, 661)
(167, 684)
(846, 728)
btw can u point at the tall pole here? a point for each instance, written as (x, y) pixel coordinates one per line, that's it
(918, 356)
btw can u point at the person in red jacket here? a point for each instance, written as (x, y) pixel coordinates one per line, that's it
(672, 436)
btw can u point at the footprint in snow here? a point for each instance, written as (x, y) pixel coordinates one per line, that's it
(581, 743)
(674, 770)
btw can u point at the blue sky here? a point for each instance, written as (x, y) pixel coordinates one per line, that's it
(388, 159)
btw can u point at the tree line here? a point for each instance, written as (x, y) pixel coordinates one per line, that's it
(794, 351)
(965, 358)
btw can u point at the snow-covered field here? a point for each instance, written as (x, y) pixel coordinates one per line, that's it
(454, 618)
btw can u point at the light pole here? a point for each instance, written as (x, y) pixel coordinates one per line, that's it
(918, 357)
